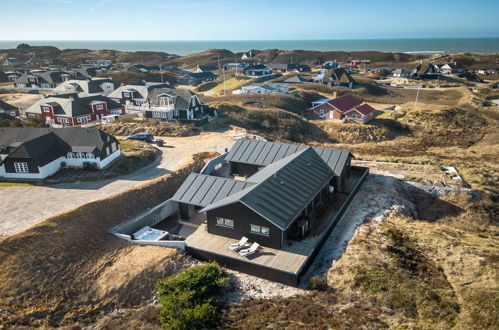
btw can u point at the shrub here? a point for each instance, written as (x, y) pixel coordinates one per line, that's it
(189, 298)
(206, 86)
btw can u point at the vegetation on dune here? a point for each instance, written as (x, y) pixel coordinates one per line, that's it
(68, 269)
(129, 126)
(433, 270)
(274, 123)
(30, 122)
(189, 299)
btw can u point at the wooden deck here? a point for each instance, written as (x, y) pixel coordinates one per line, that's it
(286, 265)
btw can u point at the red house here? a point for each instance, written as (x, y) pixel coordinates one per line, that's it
(71, 110)
(347, 107)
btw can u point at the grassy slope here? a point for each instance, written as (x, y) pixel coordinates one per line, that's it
(68, 269)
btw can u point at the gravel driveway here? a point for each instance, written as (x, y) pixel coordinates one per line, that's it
(24, 206)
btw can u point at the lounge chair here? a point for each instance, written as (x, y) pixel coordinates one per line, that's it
(247, 252)
(243, 242)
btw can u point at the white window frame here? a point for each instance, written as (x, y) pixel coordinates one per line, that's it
(70, 155)
(46, 109)
(260, 230)
(356, 116)
(227, 223)
(99, 107)
(21, 167)
(80, 155)
(89, 155)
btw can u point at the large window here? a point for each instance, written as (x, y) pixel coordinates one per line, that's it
(21, 167)
(356, 116)
(225, 222)
(260, 230)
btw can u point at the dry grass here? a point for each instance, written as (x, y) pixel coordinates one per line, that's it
(69, 269)
(130, 126)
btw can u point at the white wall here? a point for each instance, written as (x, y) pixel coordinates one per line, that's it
(104, 162)
(43, 172)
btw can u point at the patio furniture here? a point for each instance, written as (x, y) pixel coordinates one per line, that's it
(239, 245)
(247, 252)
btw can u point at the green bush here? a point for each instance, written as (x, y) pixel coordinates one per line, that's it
(206, 86)
(189, 298)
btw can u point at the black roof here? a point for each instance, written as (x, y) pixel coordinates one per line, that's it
(201, 75)
(203, 190)
(263, 153)
(181, 97)
(283, 189)
(44, 145)
(7, 107)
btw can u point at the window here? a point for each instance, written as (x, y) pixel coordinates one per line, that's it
(46, 109)
(225, 222)
(70, 155)
(356, 116)
(125, 94)
(21, 167)
(99, 107)
(90, 155)
(80, 155)
(321, 113)
(260, 230)
(113, 146)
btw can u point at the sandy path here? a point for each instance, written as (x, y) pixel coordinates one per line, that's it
(24, 206)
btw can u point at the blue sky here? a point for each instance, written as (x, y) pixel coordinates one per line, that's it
(246, 19)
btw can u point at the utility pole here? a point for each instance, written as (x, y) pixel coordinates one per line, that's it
(223, 71)
(417, 96)
(161, 70)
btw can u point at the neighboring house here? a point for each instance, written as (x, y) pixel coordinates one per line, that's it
(12, 62)
(451, 69)
(36, 153)
(7, 110)
(85, 72)
(71, 110)
(296, 80)
(263, 88)
(41, 79)
(359, 62)
(178, 104)
(347, 107)
(175, 69)
(205, 68)
(134, 95)
(283, 67)
(286, 189)
(102, 86)
(401, 73)
(257, 70)
(95, 63)
(425, 71)
(239, 67)
(193, 78)
(143, 68)
(338, 77)
(247, 56)
(330, 65)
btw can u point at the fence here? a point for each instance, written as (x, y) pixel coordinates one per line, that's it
(149, 218)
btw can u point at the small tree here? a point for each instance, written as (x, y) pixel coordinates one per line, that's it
(189, 298)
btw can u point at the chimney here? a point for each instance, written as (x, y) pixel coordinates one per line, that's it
(335, 94)
(71, 98)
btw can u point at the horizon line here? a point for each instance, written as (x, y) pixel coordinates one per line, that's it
(239, 40)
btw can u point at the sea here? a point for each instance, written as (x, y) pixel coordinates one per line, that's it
(416, 46)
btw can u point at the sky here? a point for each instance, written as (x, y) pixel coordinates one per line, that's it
(246, 19)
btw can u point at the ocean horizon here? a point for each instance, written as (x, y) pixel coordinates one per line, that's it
(408, 45)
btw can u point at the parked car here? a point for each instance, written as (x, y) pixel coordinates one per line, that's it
(33, 91)
(141, 137)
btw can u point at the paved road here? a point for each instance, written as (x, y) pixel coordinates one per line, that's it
(24, 206)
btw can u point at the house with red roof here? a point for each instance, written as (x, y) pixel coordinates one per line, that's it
(347, 108)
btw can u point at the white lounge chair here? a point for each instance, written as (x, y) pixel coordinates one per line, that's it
(247, 252)
(243, 242)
